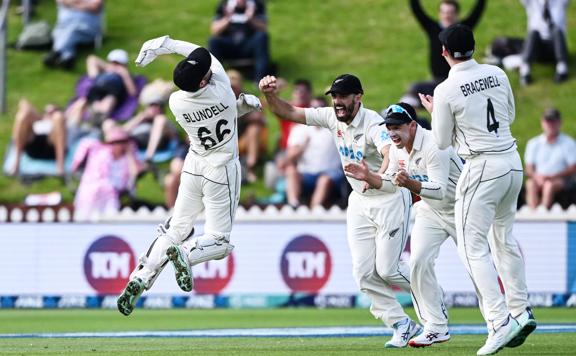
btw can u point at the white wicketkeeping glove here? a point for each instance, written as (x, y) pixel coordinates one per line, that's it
(152, 49)
(247, 103)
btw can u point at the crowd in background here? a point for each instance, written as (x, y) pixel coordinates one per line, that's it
(104, 139)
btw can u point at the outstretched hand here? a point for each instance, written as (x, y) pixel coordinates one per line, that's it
(268, 84)
(357, 171)
(152, 49)
(427, 102)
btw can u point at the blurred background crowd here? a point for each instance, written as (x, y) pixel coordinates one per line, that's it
(85, 122)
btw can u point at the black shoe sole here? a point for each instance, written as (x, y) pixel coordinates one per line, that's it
(521, 337)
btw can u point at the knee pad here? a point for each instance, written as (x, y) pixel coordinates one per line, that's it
(208, 247)
(148, 270)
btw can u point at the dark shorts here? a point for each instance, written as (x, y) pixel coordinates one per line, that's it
(40, 148)
(107, 84)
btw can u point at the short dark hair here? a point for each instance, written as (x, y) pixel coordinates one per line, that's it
(304, 82)
(452, 3)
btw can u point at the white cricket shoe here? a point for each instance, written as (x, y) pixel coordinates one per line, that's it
(499, 338)
(179, 260)
(404, 330)
(527, 325)
(429, 337)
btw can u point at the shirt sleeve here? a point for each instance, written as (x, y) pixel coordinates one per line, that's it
(424, 20)
(438, 169)
(387, 185)
(442, 120)
(511, 103)
(379, 136)
(472, 20)
(318, 117)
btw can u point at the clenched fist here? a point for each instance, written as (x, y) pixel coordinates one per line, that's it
(268, 84)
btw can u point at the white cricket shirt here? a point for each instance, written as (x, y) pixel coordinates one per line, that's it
(209, 117)
(473, 110)
(363, 139)
(438, 170)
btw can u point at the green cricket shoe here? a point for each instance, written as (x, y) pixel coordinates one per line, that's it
(127, 300)
(181, 267)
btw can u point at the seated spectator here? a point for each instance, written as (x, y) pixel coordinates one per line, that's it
(150, 128)
(550, 161)
(172, 179)
(113, 83)
(546, 37)
(40, 135)
(110, 168)
(252, 132)
(312, 164)
(240, 30)
(78, 22)
(448, 14)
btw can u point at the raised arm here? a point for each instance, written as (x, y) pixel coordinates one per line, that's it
(165, 45)
(283, 109)
(423, 19)
(442, 119)
(472, 19)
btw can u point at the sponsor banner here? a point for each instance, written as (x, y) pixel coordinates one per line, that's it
(294, 261)
(571, 260)
(465, 299)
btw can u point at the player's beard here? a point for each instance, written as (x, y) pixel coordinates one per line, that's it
(348, 109)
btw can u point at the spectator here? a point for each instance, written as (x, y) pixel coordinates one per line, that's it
(546, 38)
(312, 164)
(252, 132)
(41, 136)
(448, 14)
(240, 30)
(150, 128)
(110, 169)
(550, 161)
(172, 179)
(113, 83)
(301, 97)
(78, 22)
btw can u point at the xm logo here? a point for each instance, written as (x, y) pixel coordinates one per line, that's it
(306, 264)
(213, 276)
(108, 263)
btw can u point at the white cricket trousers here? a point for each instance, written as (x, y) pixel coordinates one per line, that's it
(486, 198)
(431, 228)
(214, 190)
(377, 233)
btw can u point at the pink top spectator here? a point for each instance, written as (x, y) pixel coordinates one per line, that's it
(111, 168)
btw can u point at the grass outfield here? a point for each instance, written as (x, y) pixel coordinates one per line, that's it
(42, 321)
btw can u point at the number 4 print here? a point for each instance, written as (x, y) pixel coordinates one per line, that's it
(491, 123)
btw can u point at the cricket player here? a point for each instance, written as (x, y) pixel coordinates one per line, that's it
(207, 109)
(473, 110)
(377, 221)
(417, 164)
